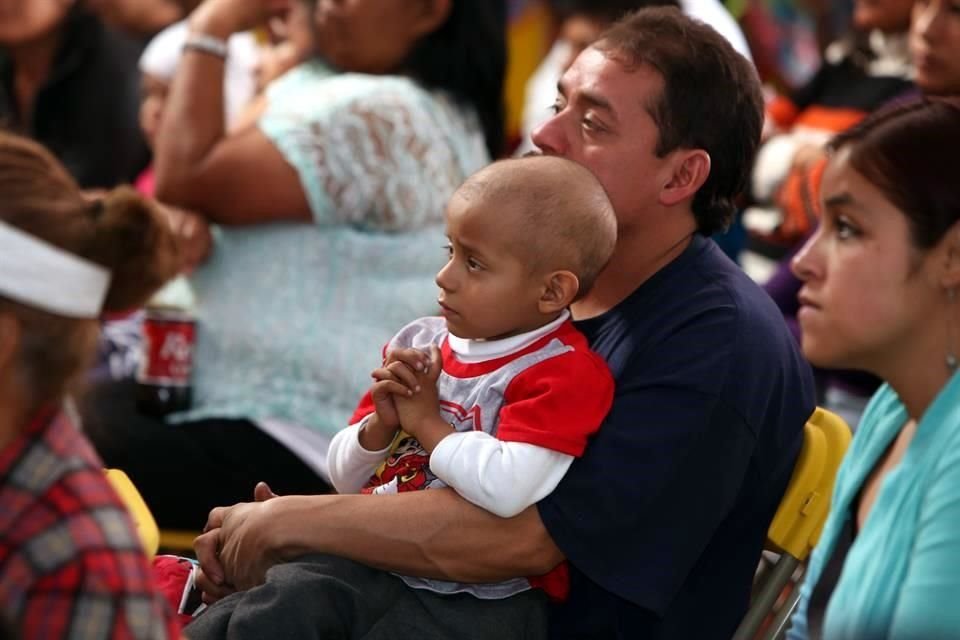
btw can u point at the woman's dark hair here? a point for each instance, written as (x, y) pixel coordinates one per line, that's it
(908, 152)
(467, 57)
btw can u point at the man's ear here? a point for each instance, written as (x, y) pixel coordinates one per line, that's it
(9, 341)
(559, 291)
(433, 14)
(691, 169)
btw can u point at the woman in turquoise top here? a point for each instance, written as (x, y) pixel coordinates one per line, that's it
(881, 277)
(329, 230)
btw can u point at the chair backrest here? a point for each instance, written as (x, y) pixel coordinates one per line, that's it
(797, 524)
(142, 518)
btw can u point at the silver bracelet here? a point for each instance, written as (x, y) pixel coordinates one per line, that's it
(206, 44)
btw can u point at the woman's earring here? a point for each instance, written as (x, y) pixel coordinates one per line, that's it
(951, 359)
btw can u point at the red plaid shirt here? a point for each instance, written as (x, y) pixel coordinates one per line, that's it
(71, 564)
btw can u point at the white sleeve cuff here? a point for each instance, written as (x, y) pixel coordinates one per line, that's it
(502, 477)
(349, 463)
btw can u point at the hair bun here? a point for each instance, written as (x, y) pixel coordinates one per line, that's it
(136, 244)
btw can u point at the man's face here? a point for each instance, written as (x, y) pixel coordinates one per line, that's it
(601, 121)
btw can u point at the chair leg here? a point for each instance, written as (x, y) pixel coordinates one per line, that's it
(781, 621)
(762, 605)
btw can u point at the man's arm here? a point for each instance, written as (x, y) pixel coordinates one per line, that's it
(422, 533)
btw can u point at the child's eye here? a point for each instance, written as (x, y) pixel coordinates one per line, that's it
(448, 249)
(473, 265)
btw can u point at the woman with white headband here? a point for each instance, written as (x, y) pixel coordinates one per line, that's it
(71, 563)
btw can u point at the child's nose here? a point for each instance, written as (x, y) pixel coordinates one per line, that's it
(445, 279)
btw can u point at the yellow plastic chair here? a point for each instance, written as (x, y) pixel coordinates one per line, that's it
(797, 524)
(142, 518)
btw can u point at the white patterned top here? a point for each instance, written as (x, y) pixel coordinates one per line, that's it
(291, 316)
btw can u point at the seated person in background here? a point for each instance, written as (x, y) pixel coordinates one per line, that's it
(71, 562)
(329, 213)
(869, 85)
(158, 67)
(860, 72)
(494, 399)
(663, 518)
(880, 280)
(71, 83)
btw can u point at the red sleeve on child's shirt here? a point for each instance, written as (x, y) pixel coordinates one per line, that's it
(366, 406)
(558, 403)
(363, 409)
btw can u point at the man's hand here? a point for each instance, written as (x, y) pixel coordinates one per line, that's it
(221, 527)
(420, 412)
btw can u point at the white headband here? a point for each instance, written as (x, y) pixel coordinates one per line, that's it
(37, 274)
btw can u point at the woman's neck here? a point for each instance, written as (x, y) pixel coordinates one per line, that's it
(917, 388)
(919, 371)
(32, 65)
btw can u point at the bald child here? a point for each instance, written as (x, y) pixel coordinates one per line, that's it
(497, 396)
(494, 398)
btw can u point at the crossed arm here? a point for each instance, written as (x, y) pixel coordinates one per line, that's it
(434, 534)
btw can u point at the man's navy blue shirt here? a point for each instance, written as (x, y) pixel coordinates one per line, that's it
(664, 517)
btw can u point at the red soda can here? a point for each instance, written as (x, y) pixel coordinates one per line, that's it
(166, 365)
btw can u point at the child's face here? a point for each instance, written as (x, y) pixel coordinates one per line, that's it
(153, 98)
(487, 289)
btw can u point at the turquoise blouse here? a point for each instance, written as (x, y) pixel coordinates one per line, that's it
(901, 577)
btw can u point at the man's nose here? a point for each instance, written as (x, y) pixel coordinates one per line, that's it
(549, 137)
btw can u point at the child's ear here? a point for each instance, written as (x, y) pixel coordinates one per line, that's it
(559, 291)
